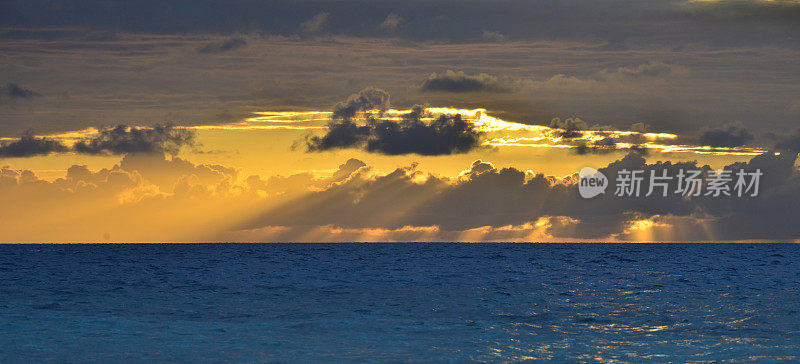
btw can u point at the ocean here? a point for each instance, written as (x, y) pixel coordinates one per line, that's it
(415, 302)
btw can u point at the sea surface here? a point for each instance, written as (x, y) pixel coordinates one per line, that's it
(399, 302)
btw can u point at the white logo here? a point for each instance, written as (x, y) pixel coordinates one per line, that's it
(591, 182)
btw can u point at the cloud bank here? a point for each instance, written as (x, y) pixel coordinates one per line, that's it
(118, 140)
(485, 196)
(123, 139)
(149, 197)
(29, 145)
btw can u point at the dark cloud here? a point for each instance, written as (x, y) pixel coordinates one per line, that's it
(573, 129)
(790, 141)
(15, 91)
(745, 10)
(225, 46)
(450, 81)
(544, 46)
(618, 23)
(157, 140)
(367, 99)
(29, 146)
(447, 134)
(610, 143)
(123, 139)
(731, 135)
(569, 128)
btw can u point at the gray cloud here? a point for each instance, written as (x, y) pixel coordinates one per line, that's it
(29, 146)
(14, 91)
(738, 68)
(605, 146)
(447, 134)
(615, 23)
(391, 22)
(283, 73)
(315, 25)
(647, 70)
(225, 46)
(366, 99)
(568, 128)
(450, 81)
(790, 141)
(731, 135)
(492, 36)
(744, 9)
(122, 139)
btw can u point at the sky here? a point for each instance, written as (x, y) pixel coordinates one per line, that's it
(184, 121)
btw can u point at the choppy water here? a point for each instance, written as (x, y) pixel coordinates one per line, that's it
(399, 302)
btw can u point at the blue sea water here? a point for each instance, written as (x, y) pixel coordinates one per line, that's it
(399, 302)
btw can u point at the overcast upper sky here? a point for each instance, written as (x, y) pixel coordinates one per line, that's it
(567, 83)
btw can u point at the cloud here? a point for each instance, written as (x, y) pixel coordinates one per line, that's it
(447, 134)
(732, 10)
(366, 99)
(301, 183)
(568, 128)
(486, 196)
(315, 25)
(598, 139)
(607, 145)
(620, 78)
(790, 141)
(391, 22)
(118, 201)
(165, 172)
(458, 82)
(14, 91)
(123, 139)
(492, 36)
(731, 135)
(639, 127)
(147, 197)
(348, 168)
(29, 146)
(157, 140)
(325, 71)
(225, 46)
(649, 23)
(653, 69)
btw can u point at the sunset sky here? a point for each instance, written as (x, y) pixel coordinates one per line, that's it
(212, 120)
